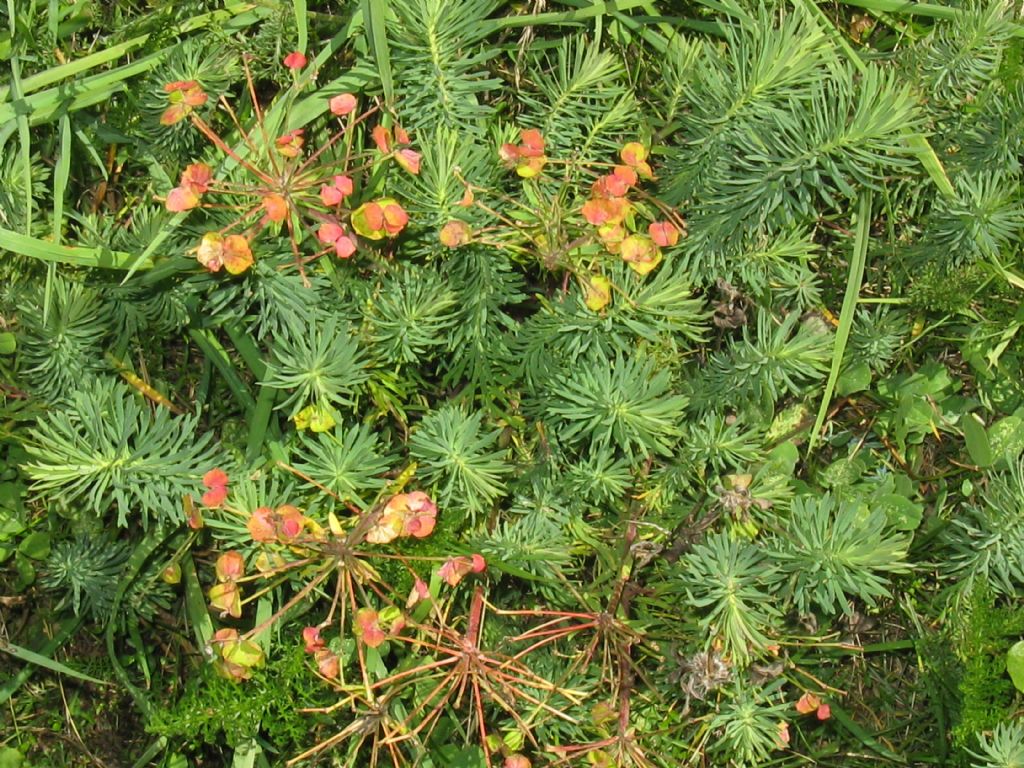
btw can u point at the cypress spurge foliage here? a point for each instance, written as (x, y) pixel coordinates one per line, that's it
(461, 364)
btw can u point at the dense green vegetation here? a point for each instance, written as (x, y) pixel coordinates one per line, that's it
(468, 383)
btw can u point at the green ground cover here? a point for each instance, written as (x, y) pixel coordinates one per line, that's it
(471, 383)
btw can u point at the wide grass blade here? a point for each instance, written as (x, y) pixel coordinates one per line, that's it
(301, 23)
(375, 17)
(78, 256)
(853, 282)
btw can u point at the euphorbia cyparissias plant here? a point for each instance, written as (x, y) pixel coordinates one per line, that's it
(288, 185)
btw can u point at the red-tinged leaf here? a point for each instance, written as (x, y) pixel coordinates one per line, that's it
(532, 143)
(782, 738)
(210, 252)
(276, 208)
(291, 521)
(261, 525)
(295, 60)
(626, 174)
(395, 217)
(290, 144)
(531, 166)
(808, 703)
(382, 138)
(237, 254)
(601, 211)
(368, 221)
(401, 137)
(311, 637)
(455, 233)
(194, 517)
(214, 497)
(404, 514)
(344, 247)
(197, 177)
(215, 478)
(611, 185)
(245, 654)
(409, 160)
(330, 196)
(467, 198)
(421, 515)
(181, 199)
(516, 760)
(420, 591)
(387, 528)
(226, 597)
(327, 663)
(230, 566)
(329, 232)
(477, 563)
(509, 154)
(824, 712)
(663, 233)
(181, 85)
(174, 113)
(343, 104)
(344, 184)
(366, 627)
(195, 96)
(640, 252)
(633, 154)
(612, 236)
(455, 569)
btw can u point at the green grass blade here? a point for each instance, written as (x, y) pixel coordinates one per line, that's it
(25, 145)
(40, 660)
(60, 186)
(921, 147)
(12, 684)
(75, 68)
(853, 283)
(216, 354)
(927, 10)
(52, 20)
(375, 16)
(590, 11)
(78, 256)
(195, 604)
(301, 23)
(152, 751)
(44, 106)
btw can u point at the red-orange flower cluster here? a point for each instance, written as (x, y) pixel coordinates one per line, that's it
(216, 483)
(396, 146)
(379, 219)
(405, 514)
(226, 595)
(528, 156)
(332, 233)
(611, 212)
(195, 180)
(295, 60)
(183, 96)
(455, 568)
(810, 703)
(290, 144)
(283, 524)
(231, 252)
(327, 661)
